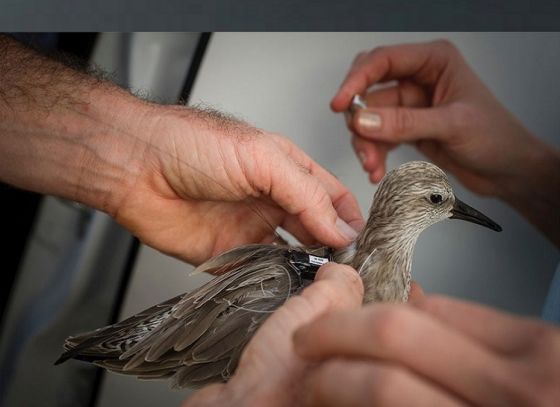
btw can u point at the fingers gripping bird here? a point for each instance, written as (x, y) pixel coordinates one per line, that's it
(198, 337)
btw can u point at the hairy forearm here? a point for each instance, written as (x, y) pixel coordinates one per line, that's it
(534, 189)
(64, 132)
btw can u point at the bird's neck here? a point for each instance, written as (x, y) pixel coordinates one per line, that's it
(382, 254)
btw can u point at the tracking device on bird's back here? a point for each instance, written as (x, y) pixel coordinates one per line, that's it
(305, 264)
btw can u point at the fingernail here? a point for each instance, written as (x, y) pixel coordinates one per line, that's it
(368, 121)
(362, 156)
(346, 230)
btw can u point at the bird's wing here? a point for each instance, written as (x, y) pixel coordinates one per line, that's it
(110, 341)
(233, 258)
(197, 337)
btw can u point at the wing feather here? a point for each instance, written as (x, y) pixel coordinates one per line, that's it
(197, 337)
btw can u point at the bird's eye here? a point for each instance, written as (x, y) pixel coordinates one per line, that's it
(436, 198)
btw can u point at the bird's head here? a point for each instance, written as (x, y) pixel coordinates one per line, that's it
(417, 195)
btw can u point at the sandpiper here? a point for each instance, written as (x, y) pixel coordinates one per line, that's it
(198, 337)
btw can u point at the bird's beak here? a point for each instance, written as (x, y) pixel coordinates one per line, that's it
(463, 211)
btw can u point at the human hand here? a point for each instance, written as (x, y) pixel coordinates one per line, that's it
(440, 105)
(204, 183)
(437, 352)
(269, 372)
(189, 182)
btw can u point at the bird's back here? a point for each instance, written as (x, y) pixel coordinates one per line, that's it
(197, 338)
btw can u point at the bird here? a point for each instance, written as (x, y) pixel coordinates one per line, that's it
(198, 337)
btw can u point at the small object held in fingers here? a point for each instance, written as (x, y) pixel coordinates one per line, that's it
(358, 103)
(307, 265)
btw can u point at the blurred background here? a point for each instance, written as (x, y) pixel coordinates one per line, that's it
(68, 268)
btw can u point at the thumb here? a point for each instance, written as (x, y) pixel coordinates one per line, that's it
(346, 286)
(401, 124)
(303, 195)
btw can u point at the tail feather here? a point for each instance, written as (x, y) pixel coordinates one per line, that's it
(108, 342)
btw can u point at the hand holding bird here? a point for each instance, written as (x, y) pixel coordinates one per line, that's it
(198, 338)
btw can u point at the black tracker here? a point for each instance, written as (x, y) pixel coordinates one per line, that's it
(305, 264)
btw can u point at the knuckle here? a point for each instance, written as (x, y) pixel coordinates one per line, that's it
(313, 198)
(378, 50)
(360, 57)
(462, 115)
(317, 196)
(446, 46)
(256, 169)
(363, 56)
(263, 144)
(257, 148)
(403, 121)
(282, 143)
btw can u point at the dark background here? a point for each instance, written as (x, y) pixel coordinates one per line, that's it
(18, 208)
(284, 15)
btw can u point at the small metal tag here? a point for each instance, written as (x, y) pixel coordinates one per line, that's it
(317, 261)
(357, 103)
(306, 265)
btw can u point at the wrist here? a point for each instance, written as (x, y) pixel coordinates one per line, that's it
(112, 131)
(535, 191)
(66, 133)
(536, 168)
